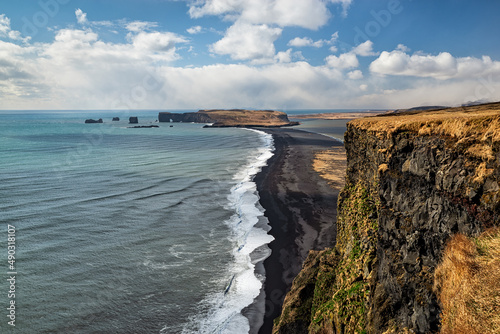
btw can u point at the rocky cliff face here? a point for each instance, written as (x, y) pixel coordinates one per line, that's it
(231, 118)
(191, 117)
(413, 180)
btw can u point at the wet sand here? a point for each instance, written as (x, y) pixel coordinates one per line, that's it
(301, 208)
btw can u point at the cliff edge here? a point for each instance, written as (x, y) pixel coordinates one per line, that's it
(413, 180)
(231, 118)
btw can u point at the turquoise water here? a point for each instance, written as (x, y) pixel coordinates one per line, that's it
(122, 230)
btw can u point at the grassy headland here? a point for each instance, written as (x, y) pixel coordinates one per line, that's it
(231, 118)
(414, 180)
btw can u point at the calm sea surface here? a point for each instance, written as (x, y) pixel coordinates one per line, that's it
(121, 230)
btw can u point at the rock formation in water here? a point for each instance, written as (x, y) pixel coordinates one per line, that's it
(413, 181)
(133, 120)
(230, 118)
(143, 126)
(90, 121)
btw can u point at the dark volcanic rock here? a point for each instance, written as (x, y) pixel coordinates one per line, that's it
(116, 119)
(143, 126)
(90, 121)
(133, 120)
(190, 117)
(407, 192)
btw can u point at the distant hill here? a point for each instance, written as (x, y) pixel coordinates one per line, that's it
(421, 108)
(475, 103)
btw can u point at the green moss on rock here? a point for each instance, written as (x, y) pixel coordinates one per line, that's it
(331, 294)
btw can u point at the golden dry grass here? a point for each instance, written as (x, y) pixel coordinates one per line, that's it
(331, 165)
(248, 117)
(383, 168)
(467, 283)
(481, 151)
(477, 123)
(339, 115)
(482, 172)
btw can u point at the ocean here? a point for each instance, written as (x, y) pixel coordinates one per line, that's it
(122, 230)
(112, 229)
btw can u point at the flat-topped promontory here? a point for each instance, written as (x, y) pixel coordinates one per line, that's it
(231, 118)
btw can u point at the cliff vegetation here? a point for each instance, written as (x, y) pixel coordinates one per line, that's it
(414, 180)
(467, 283)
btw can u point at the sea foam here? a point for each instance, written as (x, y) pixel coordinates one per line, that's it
(249, 234)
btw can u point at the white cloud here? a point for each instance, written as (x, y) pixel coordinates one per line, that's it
(4, 25)
(79, 70)
(258, 23)
(244, 41)
(194, 30)
(16, 35)
(107, 75)
(364, 49)
(333, 48)
(334, 38)
(284, 56)
(297, 55)
(350, 59)
(355, 75)
(399, 63)
(6, 31)
(310, 14)
(443, 66)
(138, 26)
(272, 86)
(305, 41)
(345, 60)
(403, 48)
(81, 17)
(73, 36)
(345, 5)
(427, 91)
(156, 41)
(470, 67)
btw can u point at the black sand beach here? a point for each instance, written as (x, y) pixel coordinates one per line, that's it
(301, 208)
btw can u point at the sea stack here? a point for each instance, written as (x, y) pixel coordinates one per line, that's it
(90, 121)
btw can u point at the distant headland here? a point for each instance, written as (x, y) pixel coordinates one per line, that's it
(231, 118)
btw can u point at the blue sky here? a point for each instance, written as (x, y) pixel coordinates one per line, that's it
(283, 54)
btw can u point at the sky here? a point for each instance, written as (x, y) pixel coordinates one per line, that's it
(272, 54)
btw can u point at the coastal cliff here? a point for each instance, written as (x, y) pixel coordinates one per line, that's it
(231, 118)
(413, 181)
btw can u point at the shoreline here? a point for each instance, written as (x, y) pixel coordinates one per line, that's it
(301, 208)
(341, 115)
